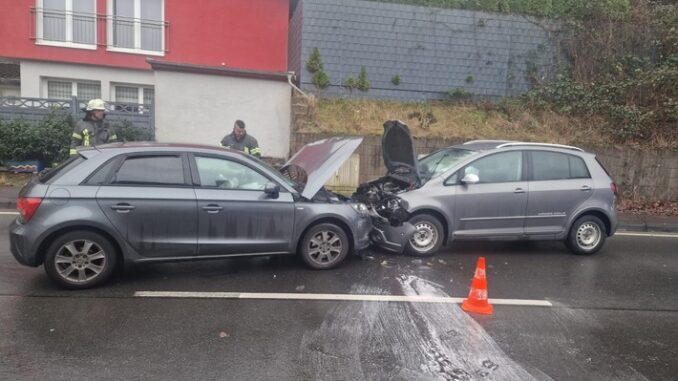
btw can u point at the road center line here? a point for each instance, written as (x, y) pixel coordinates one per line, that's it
(334, 297)
(647, 235)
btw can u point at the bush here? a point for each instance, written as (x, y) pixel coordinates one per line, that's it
(47, 141)
(127, 132)
(315, 66)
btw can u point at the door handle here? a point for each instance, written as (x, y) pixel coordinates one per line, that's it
(585, 188)
(519, 190)
(123, 208)
(212, 208)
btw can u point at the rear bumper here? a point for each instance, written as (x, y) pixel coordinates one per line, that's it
(20, 245)
(392, 238)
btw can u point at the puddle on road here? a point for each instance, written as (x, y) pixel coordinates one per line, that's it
(405, 341)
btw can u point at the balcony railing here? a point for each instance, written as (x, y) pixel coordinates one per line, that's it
(115, 32)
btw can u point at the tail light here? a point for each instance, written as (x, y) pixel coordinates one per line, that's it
(27, 207)
(614, 189)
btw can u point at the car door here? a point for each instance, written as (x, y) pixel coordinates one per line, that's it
(495, 205)
(559, 183)
(235, 215)
(149, 199)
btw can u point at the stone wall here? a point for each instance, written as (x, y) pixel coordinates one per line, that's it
(644, 174)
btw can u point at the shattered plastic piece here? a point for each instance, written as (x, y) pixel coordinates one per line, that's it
(223, 334)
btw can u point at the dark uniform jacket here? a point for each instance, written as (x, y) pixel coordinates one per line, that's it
(89, 132)
(247, 144)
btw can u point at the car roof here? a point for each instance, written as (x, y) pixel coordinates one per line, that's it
(486, 145)
(116, 148)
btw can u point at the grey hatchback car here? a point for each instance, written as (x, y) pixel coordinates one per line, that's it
(497, 190)
(153, 202)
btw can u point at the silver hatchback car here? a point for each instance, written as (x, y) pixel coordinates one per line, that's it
(497, 190)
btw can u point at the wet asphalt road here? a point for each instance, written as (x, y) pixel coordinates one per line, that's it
(614, 317)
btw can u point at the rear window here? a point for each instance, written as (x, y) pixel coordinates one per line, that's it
(50, 175)
(603, 167)
(151, 170)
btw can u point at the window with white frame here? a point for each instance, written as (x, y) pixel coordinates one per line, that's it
(69, 23)
(133, 94)
(65, 89)
(136, 25)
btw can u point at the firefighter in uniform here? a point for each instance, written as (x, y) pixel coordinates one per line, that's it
(241, 141)
(92, 129)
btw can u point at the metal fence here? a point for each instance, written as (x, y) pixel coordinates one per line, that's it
(34, 109)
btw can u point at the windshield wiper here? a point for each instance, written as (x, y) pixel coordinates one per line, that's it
(430, 173)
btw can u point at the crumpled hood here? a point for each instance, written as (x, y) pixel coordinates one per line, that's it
(321, 159)
(400, 157)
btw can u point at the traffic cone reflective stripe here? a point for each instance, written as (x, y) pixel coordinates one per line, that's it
(477, 297)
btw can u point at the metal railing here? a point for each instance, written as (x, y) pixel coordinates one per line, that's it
(140, 115)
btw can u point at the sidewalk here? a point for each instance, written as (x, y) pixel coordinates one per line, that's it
(630, 222)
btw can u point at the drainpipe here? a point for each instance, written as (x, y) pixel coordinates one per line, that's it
(290, 75)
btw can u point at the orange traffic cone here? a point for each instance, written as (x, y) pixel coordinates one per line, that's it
(477, 297)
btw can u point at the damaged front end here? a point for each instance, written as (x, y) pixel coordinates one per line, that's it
(389, 211)
(316, 162)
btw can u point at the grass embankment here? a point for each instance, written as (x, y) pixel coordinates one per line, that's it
(484, 120)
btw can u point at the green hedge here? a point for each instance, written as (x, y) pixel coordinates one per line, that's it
(47, 140)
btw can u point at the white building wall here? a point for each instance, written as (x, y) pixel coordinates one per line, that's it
(33, 74)
(201, 108)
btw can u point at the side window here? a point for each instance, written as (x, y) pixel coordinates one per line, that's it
(151, 170)
(557, 166)
(226, 174)
(499, 168)
(578, 168)
(101, 174)
(452, 180)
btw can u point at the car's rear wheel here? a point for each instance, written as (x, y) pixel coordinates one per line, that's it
(80, 259)
(324, 246)
(428, 236)
(586, 236)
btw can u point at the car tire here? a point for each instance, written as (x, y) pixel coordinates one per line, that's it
(428, 237)
(587, 235)
(80, 259)
(324, 246)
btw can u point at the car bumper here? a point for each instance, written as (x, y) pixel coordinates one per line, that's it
(20, 245)
(392, 238)
(361, 232)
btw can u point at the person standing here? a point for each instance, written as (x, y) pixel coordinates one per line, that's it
(92, 129)
(239, 140)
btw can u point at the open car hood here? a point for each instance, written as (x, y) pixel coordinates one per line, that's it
(321, 159)
(400, 157)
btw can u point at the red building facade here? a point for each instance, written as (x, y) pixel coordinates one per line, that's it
(240, 34)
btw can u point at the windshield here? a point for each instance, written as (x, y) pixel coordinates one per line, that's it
(440, 161)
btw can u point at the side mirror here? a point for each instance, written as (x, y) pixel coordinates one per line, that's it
(470, 178)
(272, 190)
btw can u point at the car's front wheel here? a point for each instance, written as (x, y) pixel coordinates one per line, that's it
(80, 259)
(324, 246)
(428, 236)
(586, 236)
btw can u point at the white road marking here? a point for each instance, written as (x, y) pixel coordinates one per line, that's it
(668, 235)
(335, 297)
(9, 213)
